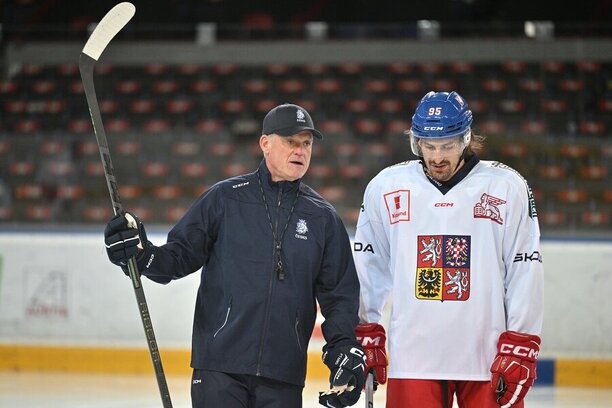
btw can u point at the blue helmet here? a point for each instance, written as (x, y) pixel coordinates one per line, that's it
(440, 115)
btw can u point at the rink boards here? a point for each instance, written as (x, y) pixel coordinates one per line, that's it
(77, 313)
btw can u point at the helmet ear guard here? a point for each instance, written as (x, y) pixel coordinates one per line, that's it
(440, 115)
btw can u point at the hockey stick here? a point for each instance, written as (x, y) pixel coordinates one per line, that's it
(369, 390)
(106, 29)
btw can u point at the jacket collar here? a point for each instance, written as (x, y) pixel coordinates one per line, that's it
(266, 179)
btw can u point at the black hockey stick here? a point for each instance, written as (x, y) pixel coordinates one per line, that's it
(106, 29)
(369, 390)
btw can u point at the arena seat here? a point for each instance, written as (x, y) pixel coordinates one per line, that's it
(175, 129)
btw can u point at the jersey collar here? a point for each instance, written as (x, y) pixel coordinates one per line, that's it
(445, 186)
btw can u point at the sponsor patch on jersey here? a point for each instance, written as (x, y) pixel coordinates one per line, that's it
(443, 267)
(488, 207)
(398, 205)
(363, 247)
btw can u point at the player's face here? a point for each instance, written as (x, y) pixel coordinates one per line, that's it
(442, 157)
(287, 157)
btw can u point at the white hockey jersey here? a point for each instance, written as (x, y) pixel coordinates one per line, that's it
(460, 267)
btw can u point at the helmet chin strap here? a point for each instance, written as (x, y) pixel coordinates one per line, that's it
(460, 161)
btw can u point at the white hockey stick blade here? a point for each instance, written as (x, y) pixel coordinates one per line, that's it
(107, 28)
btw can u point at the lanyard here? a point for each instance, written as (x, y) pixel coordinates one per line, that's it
(278, 241)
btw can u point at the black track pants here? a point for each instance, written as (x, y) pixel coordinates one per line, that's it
(213, 389)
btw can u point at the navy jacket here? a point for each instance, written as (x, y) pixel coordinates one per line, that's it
(248, 319)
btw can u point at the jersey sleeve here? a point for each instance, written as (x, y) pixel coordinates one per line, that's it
(524, 278)
(372, 255)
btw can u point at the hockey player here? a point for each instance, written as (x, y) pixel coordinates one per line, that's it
(269, 247)
(453, 241)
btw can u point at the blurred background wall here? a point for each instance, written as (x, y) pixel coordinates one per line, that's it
(183, 89)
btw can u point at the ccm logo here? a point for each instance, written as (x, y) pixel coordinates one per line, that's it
(443, 204)
(520, 351)
(150, 260)
(433, 128)
(365, 341)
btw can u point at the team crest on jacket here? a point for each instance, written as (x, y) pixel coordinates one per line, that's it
(301, 229)
(398, 205)
(488, 207)
(443, 267)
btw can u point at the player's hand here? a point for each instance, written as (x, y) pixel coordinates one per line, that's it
(372, 337)
(124, 237)
(346, 362)
(514, 367)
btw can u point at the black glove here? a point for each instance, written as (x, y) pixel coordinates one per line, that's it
(124, 237)
(332, 400)
(346, 362)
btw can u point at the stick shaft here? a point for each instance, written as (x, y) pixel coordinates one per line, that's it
(86, 67)
(369, 390)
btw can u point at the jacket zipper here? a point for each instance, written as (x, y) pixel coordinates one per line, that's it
(229, 308)
(270, 286)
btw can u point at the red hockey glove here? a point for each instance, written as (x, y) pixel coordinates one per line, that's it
(372, 338)
(514, 367)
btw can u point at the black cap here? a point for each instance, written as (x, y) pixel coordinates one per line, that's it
(288, 119)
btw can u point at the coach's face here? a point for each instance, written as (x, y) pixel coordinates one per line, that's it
(287, 157)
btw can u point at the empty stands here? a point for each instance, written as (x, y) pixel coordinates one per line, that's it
(176, 129)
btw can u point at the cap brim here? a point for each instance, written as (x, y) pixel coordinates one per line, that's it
(297, 129)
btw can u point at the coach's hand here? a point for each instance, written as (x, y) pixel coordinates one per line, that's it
(346, 362)
(514, 367)
(124, 237)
